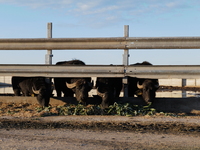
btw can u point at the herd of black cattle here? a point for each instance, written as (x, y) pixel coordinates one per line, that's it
(107, 88)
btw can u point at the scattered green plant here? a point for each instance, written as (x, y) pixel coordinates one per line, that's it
(126, 109)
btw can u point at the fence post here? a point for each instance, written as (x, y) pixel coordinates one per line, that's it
(184, 82)
(49, 55)
(125, 62)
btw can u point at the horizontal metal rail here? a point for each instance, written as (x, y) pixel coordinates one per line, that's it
(160, 71)
(164, 71)
(101, 43)
(61, 71)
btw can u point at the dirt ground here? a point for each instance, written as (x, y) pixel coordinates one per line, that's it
(62, 139)
(24, 126)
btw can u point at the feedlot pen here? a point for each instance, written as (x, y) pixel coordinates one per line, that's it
(125, 43)
(167, 100)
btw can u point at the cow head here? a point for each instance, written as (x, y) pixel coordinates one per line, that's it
(43, 96)
(107, 96)
(80, 87)
(148, 89)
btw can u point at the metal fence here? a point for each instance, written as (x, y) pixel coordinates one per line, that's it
(125, 43)
(157, 71)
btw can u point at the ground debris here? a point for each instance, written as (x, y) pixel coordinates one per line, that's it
(32, 116)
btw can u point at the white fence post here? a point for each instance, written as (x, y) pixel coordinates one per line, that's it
(49, 55)
(126, 61)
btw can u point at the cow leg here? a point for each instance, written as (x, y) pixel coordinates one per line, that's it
(58, 92)
(117, 92)
(25, 92)
(16, 92)
(68, 92)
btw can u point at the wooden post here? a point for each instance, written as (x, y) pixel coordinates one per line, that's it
(126, 62)
(49, 55)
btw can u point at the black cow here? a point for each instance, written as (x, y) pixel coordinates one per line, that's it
(27, 86)
(143, 87)
(108, 89)
(70, 86)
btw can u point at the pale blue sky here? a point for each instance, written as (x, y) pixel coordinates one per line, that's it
(100, 18)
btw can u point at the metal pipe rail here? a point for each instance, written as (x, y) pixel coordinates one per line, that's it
(101, 43)
(157, 71)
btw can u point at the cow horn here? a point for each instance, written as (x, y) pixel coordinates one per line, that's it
(99, 93)
(71, 85)
(35, 92)
(139, 86)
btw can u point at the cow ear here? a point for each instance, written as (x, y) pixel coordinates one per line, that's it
(138, 92)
